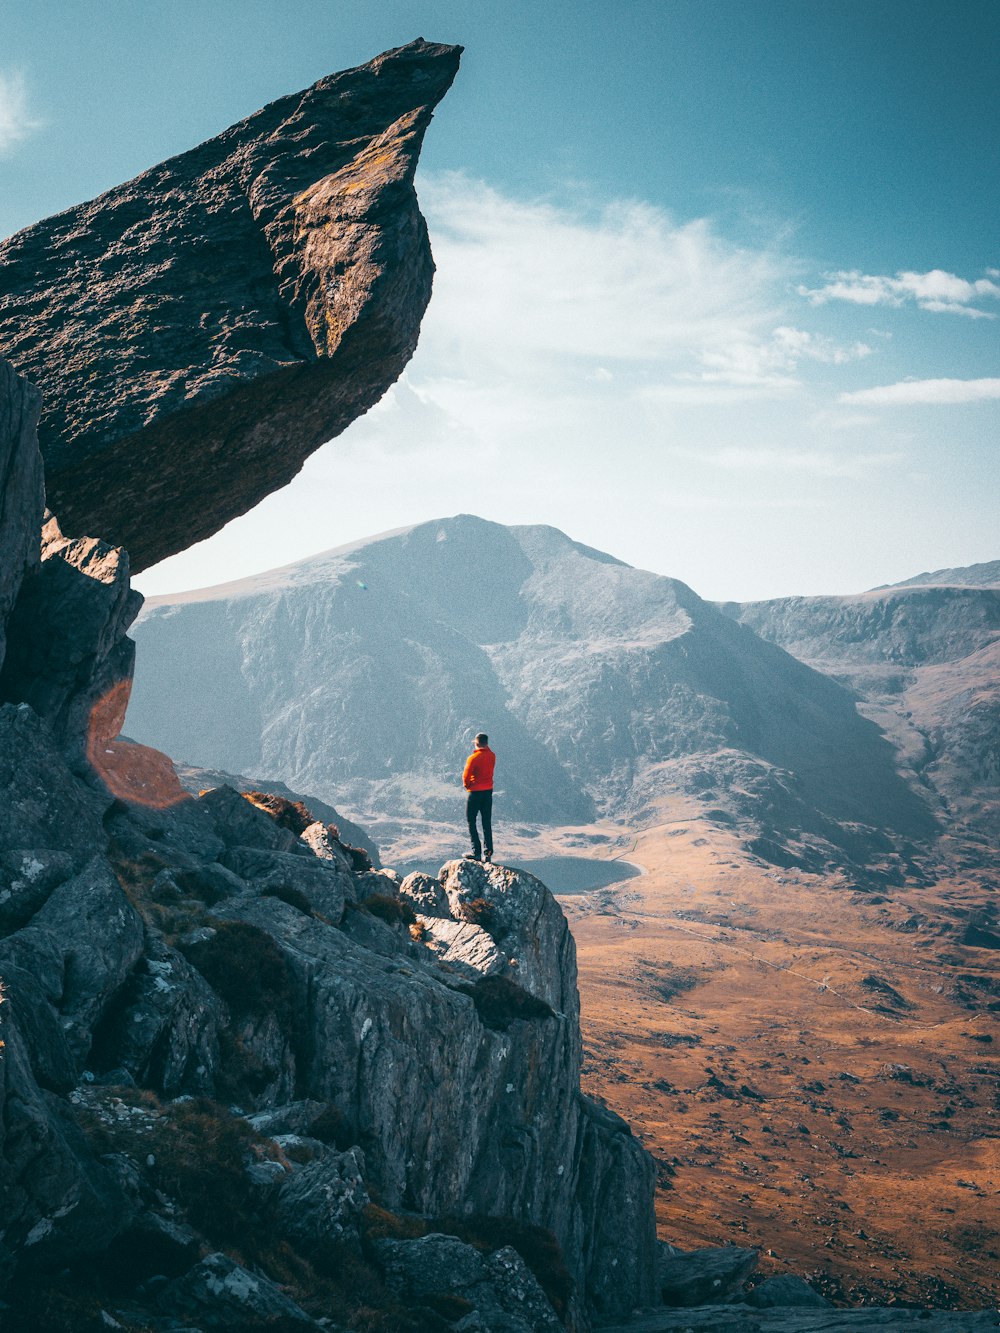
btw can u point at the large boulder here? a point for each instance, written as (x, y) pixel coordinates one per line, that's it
(200, 330)
(21, 493)
(497, 1291)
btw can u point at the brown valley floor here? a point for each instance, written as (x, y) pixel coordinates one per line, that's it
(815, 1068)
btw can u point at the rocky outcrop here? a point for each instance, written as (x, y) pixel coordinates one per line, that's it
(197, 332)
(203, 950)
(68, 654)
(21, 490)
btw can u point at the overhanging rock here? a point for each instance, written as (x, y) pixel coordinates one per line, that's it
(199, 331)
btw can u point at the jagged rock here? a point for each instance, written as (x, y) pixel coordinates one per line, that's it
(616, 1176)
(526, 921)
(68, 655)
(99, 935)
(503, 1294)
(783, 1290)
(42, 806)
(58, 1201)
(324, 1199)
(220, 1294)
(292, 1118)
(164, 1032)
(703, 1277)
(27, 877)
(324, 886)
(324, 845)
(426, 895)
(240, 824)
(196, 780)
(469, 950)
(22, 496)
(199, 331)
(360, 1024)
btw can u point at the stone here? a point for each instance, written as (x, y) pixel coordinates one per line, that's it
(324, 1199)
(703, 1277)
(219, 1294)
(239, 824)
(165, 1033)
(323, 844)
(100, 935)
(68, 654)
(469, 950)
(527, 923)
(42, 805)
(58, 1200)
(323, 885)
(291, 1118)
(22, 495)
(503, 1292)
(27, 877)
(197, 332)
(425, 894)
(784, 1290)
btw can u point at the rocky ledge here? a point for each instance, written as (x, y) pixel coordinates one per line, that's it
(197, 332)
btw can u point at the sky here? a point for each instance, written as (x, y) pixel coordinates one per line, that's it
(718, 282)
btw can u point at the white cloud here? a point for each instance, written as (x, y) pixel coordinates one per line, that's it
(804, 462)
(925, 391)
(16, 120)
(521, 285)
(935, 290)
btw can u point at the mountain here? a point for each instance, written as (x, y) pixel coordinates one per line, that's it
(985, 575)
(924, 658)
(362, 673)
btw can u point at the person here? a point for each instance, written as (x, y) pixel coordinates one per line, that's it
(477, 779)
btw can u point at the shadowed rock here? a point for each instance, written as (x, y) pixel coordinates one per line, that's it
(21, 496)
(67, 651)
(197, 332)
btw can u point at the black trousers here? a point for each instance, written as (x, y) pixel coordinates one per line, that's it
(480, 803)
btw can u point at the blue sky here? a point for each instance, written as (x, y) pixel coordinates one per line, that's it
(717, 282)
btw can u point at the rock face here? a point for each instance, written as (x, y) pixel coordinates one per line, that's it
(21, 492)
(202, 950)
(604, 687)
(68, 653)
(197, 332)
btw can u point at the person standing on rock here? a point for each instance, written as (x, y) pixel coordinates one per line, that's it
(478, 781)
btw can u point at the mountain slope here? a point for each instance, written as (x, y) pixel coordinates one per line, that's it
(361, 674)
(925, 659)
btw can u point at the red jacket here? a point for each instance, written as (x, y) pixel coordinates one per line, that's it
(478, 775)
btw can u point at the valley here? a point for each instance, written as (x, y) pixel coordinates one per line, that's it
(814, 1068)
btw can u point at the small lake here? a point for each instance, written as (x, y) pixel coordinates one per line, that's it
(562, 874)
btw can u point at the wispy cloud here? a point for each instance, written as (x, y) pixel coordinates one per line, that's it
(936, 290)
(824, 463)
(771, 362)
(925, 391)
(521, 284)
(17, 121)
